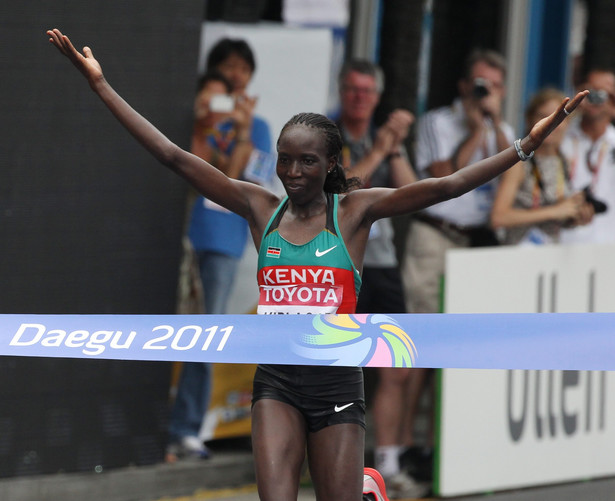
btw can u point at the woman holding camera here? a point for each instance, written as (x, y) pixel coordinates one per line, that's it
(534, 198)
(225, 133)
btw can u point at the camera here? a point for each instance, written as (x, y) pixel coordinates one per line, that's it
(598, 205)
(221, 103)
(597, 97)
(481, 88)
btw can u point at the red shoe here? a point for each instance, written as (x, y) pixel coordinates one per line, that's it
(373, 484)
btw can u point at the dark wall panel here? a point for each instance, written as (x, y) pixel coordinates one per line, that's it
(600, 36)
(458, 28)
(89, 223)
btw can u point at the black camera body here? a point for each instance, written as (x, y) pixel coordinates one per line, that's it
(481, 88)
(598, 205)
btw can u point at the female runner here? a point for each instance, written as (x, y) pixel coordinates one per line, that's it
(314, 237)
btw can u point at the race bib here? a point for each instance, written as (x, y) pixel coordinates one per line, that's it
(299, 298)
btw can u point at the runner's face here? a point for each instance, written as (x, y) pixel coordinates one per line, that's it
(303, 163)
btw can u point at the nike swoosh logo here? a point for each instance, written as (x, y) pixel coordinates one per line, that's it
(339, 408)
(320, 254)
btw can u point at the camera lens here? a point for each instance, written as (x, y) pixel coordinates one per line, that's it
(598, 205)
(597, 96)
(481, 88)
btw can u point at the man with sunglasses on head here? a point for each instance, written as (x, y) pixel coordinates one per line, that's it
(589, 147)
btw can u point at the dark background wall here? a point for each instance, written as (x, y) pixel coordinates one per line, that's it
(458, 28)
(599, 51)
(400, 45)
(89, 223)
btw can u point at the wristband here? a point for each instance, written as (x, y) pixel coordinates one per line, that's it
(520, 152)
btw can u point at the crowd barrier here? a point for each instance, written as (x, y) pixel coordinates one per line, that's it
(505, 429)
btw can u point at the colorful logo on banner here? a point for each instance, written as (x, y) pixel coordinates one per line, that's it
(356, 340)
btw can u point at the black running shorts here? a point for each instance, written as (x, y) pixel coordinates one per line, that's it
(323, 395)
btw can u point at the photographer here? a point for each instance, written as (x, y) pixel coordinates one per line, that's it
(589, 147)
(449, 139)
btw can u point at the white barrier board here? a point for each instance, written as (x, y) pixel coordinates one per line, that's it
(509, 429)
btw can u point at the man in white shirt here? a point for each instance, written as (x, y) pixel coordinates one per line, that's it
(589, 147)
(449, 139)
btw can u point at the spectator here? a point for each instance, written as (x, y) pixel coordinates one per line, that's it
(449, 139)
(534, 199)
(379, 159)
(225, 134)
(589, 146)
(235, 59)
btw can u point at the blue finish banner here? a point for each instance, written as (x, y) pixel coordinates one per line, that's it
(566, 341)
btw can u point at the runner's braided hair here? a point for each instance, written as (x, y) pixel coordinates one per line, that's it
(335, 181)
